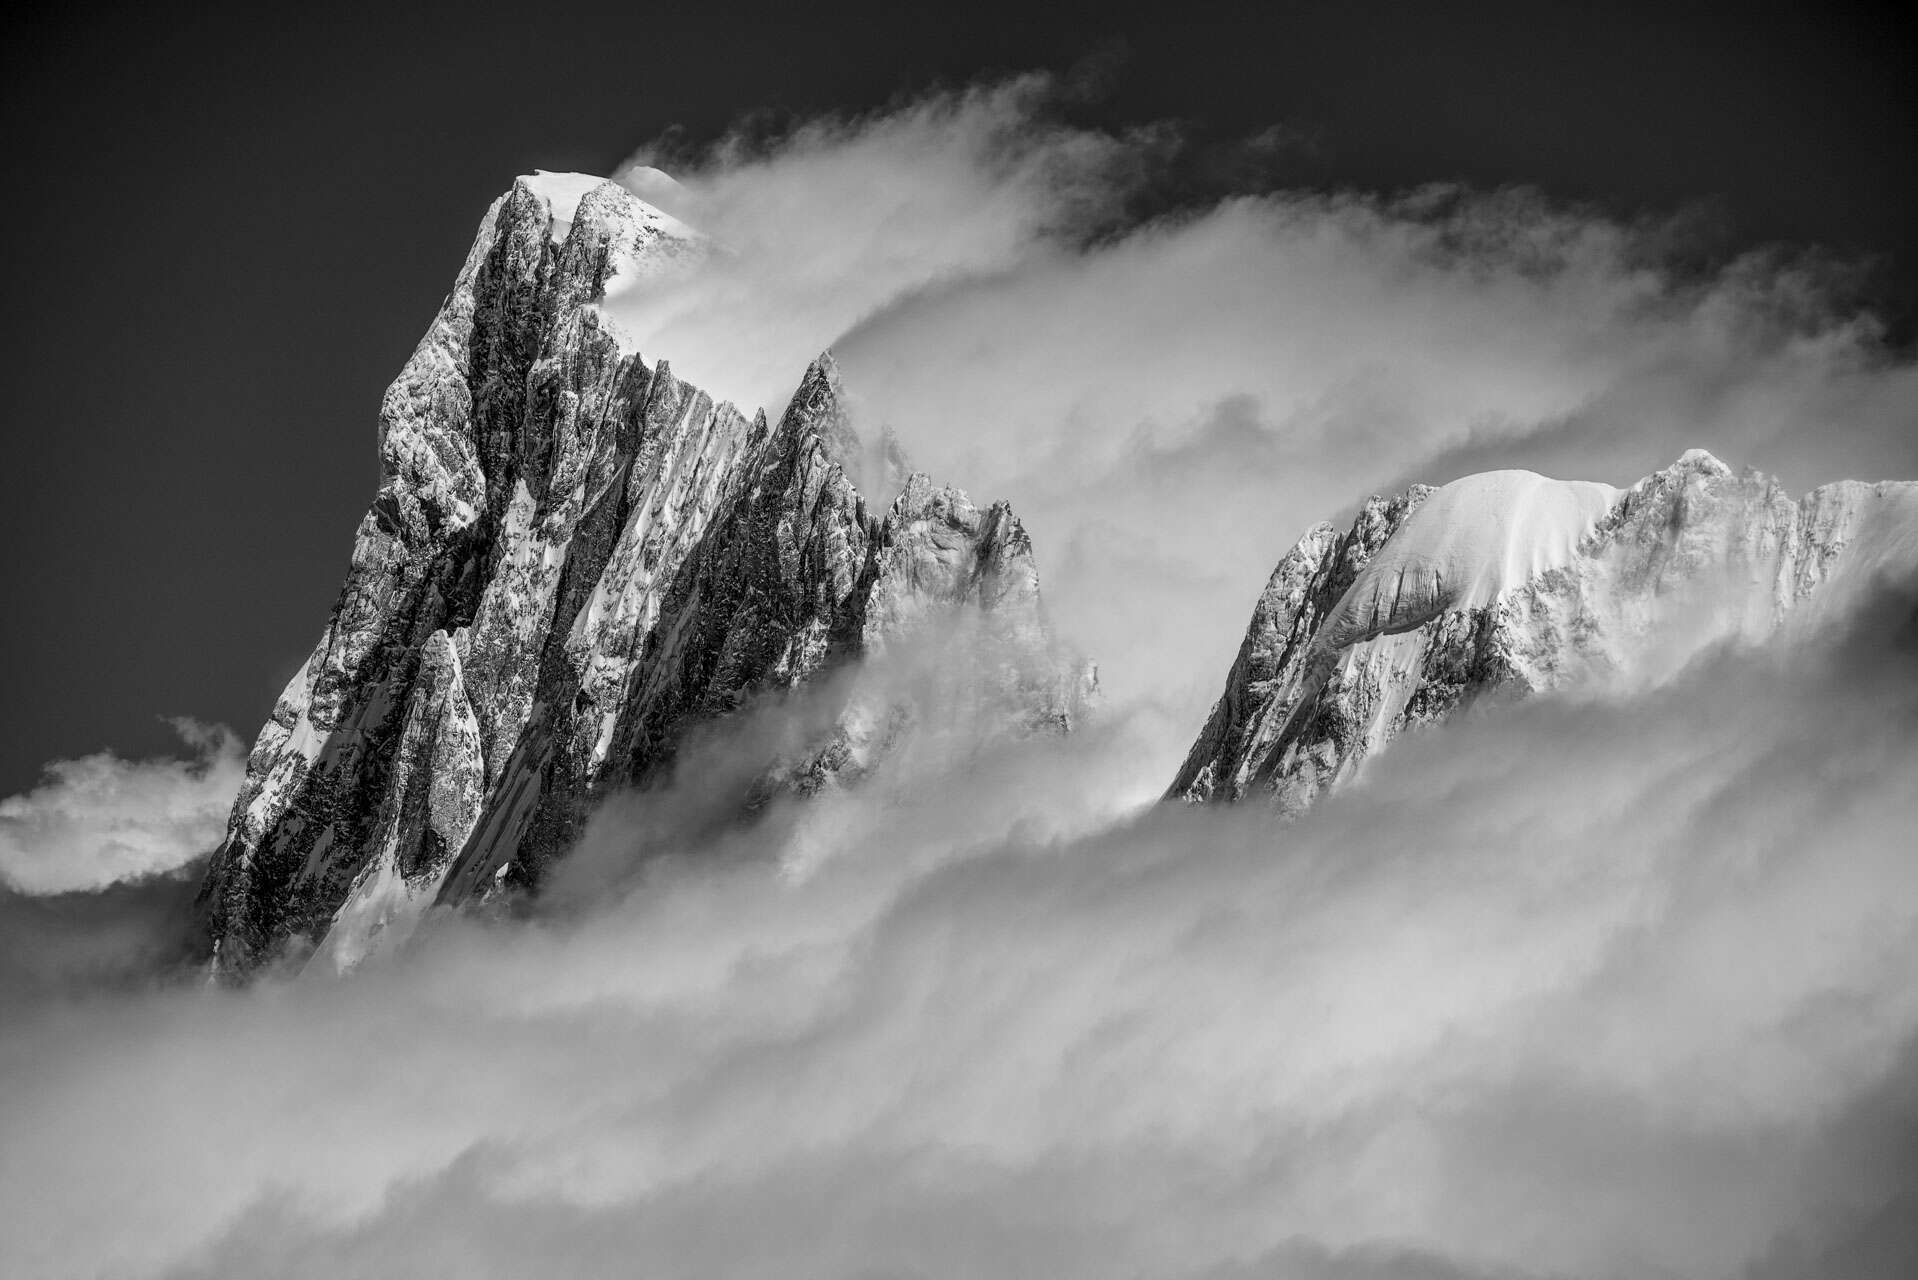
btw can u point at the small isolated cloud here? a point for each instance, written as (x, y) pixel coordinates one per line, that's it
(100, 819)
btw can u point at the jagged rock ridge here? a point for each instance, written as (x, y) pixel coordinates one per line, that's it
(1511, 583)
(572, 558)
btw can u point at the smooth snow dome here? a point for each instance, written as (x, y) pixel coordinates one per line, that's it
(1471, 541)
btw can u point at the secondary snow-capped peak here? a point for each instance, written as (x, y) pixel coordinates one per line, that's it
(1511, 582)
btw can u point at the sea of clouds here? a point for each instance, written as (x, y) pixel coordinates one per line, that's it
(1587, 986)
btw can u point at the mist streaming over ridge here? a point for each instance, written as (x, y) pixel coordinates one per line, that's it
(1169, 403)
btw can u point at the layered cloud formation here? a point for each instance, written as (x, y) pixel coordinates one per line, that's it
(1611, 987)
(1585, 989)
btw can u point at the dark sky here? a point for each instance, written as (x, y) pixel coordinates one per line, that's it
(225, 232)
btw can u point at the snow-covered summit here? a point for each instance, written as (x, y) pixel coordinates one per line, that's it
(620, 243)
(564, 192)
(1514, 582)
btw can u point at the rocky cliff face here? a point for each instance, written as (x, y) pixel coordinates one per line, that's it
(573, 557)
(1511, 583)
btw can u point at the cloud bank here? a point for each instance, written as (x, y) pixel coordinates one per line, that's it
(1613, 988)
(1606, 987)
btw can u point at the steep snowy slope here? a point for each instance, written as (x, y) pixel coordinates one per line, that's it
(572, 558)
(1511, 582)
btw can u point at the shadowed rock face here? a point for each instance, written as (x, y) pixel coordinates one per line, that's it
(573, 558)
(1511, 583)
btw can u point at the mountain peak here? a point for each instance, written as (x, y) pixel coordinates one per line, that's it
(565, 194)
(619, 241)
(1701, 460)
(819, 408)
(1509, 582)
(573, 561)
